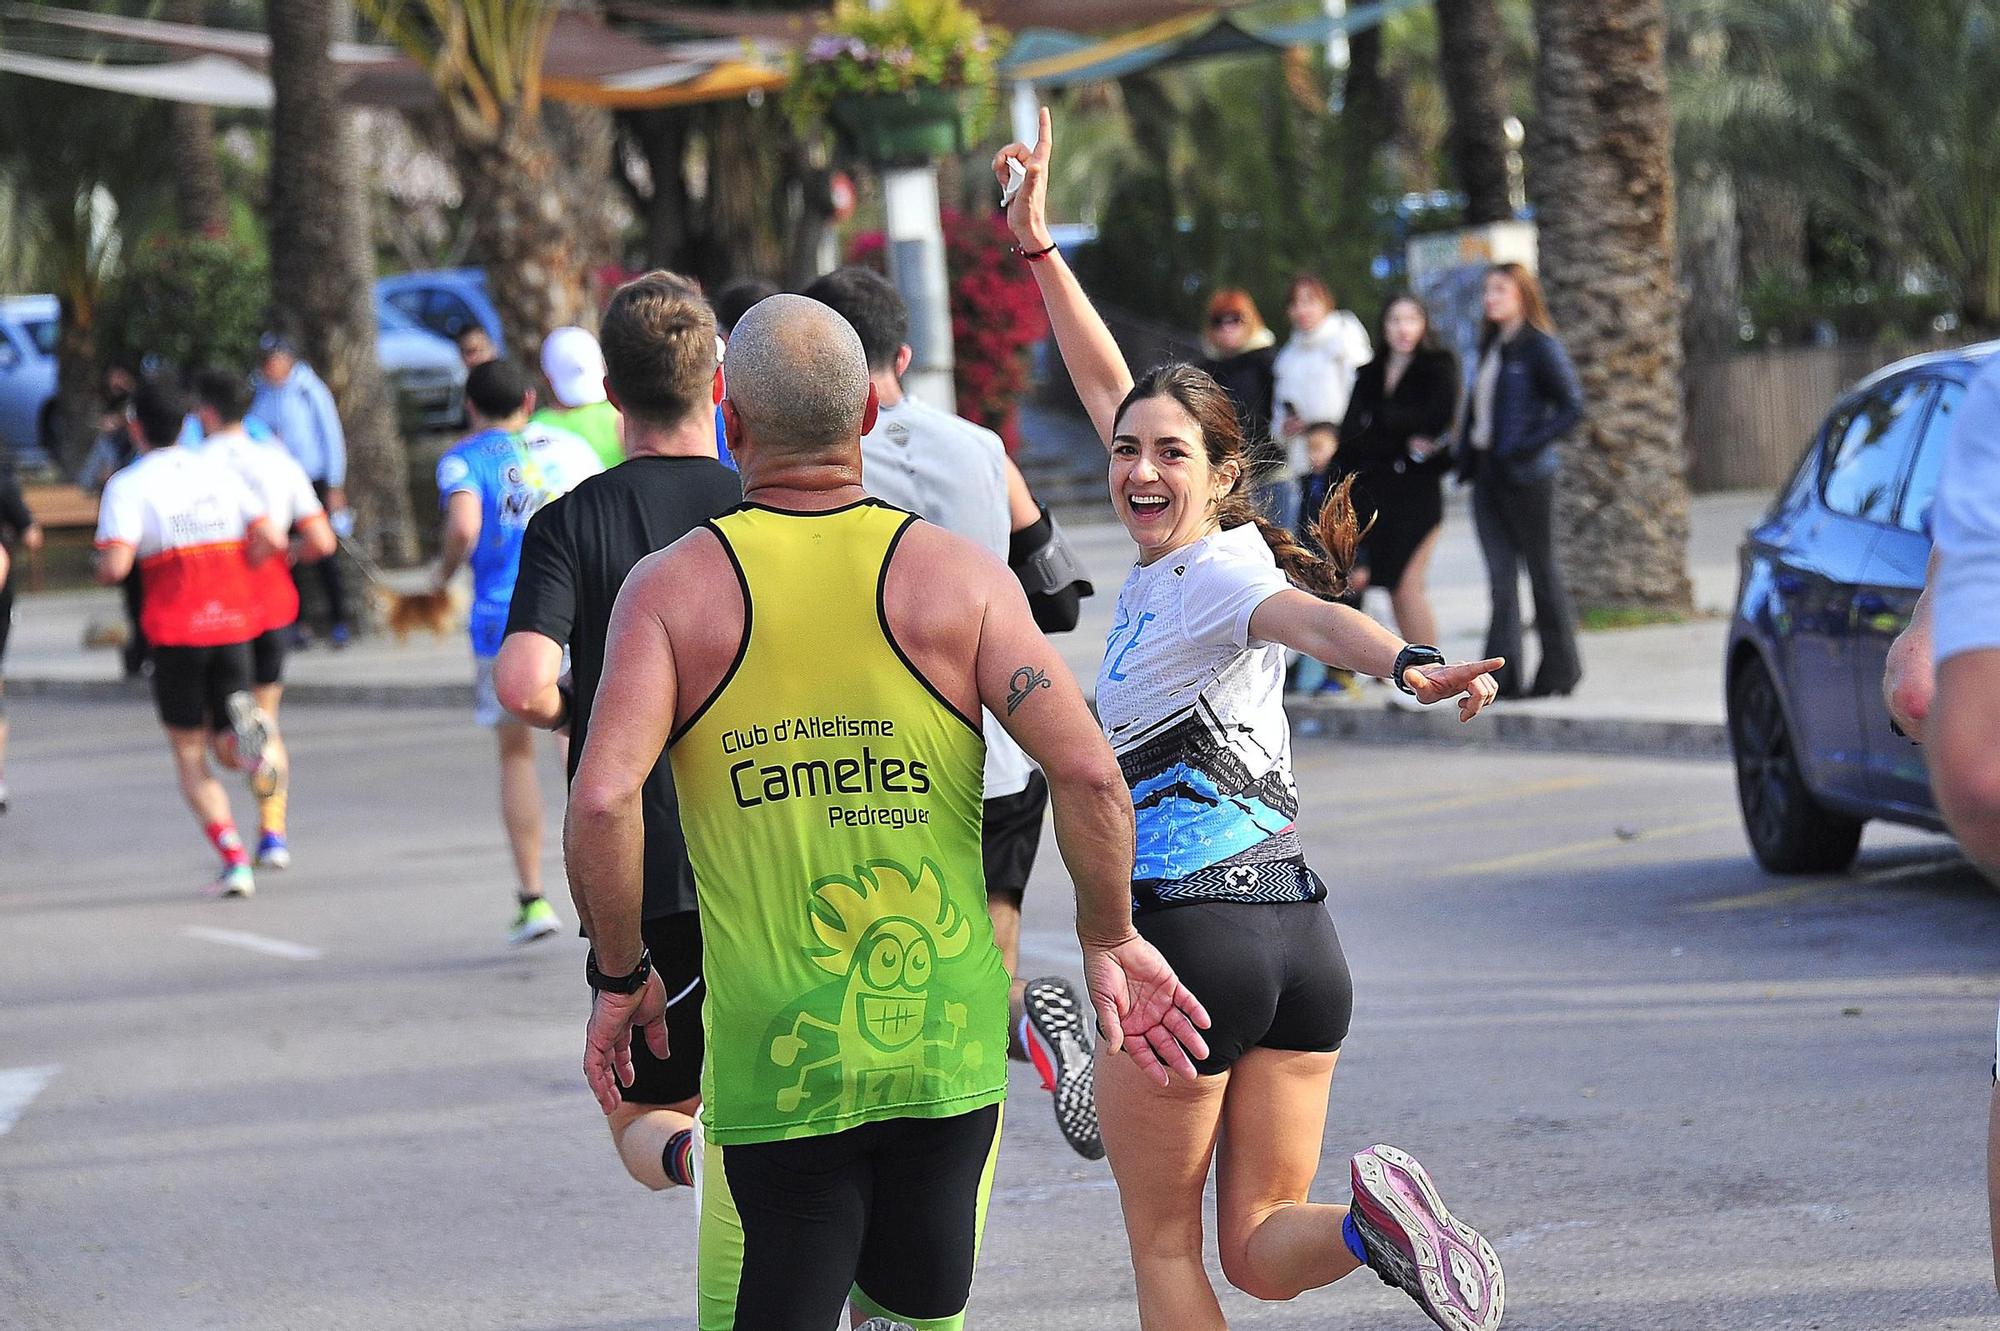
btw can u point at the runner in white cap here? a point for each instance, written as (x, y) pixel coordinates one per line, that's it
(573, 364)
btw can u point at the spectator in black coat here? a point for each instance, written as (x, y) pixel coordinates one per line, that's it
(1391, 442)
(1241, 353)
(1525, 396)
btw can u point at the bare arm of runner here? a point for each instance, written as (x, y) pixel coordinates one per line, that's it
(1142, 1007)
(1909, 676)
(461, 533)
(1964, 761)
(316, 540)
(1993, 1180)
(114, 561)
(604, 836)
(1340, 636)
(1095, 364)
(1022, 510)
(524, 677)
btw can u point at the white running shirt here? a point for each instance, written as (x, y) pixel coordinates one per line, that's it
(953, 473)
(1194, 708)
(565, 457)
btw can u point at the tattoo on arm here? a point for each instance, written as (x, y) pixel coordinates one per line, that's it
(1023, 685)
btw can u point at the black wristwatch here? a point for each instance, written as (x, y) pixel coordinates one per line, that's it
(1413, 654)
(618, 984)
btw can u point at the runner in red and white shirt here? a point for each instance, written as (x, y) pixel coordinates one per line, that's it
(194, 529)
(281, 486)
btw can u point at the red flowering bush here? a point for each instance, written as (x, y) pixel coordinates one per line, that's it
(996, 315)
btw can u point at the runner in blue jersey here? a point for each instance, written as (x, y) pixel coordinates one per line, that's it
(489, 485)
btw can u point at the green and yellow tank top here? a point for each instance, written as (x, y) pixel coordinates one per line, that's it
(832, 803)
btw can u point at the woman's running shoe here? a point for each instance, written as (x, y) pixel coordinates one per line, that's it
(535, 920)
(1415, 1244)
(235, 880)
(1058, 1039)
(272, 852)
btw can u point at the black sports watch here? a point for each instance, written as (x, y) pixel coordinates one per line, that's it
(618, 984)
(1413, 654)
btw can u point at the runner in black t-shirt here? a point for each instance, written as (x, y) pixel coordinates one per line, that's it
(661, 373)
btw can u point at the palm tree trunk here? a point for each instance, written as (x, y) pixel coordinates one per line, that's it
(1364, 130)
(1472, 66)
(197, 177)
(322, 273)
(1602, 175)
(523, 231)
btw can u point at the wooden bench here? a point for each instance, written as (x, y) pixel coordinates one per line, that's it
(61, 507)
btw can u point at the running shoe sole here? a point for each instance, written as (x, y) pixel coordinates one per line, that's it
(532, 930)
(253, 731)
(277, 857)
(1416, 1244)
(1059, 1047)
(232, 885)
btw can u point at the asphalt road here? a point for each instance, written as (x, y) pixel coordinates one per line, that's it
(1676, 1093)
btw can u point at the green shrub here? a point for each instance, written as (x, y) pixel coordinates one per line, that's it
(189, 300)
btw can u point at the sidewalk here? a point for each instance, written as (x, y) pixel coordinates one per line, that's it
(1652, 690)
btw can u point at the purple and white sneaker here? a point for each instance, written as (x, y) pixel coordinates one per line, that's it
(1418, 1246)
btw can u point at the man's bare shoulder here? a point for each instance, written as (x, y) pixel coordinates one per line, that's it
(947, 555)
(664, 578)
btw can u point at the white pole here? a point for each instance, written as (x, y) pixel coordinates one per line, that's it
(916, 266)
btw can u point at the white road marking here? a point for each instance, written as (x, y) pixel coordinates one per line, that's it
(18, 1088)
(270, 947)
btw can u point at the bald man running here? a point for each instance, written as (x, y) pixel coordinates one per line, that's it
(822, 721)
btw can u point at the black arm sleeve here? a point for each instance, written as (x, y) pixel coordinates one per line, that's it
(1057, 611)
(14, 515)
(545, 592)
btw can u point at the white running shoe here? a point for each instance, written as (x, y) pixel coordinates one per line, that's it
(252, 728)
(235, 880)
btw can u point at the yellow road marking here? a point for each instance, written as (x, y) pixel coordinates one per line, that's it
(1575, 848)
(1784, 896)
(1381, 811)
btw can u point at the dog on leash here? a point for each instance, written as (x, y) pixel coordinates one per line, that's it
(406, 612)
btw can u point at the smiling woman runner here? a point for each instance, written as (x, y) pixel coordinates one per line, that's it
(1190, 695)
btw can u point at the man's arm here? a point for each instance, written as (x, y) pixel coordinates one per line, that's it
(1142, 1007)
(461, 533)
(114, 561)
(1909, 678)
(1993, 1180)
(524, 677)
(604, 840)
(332, 438)
(1963, 754)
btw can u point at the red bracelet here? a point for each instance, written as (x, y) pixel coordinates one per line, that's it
(1035, 256)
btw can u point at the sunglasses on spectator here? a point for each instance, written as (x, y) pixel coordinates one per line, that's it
(1225, 320)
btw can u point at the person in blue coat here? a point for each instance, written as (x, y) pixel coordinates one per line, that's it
(298, 407)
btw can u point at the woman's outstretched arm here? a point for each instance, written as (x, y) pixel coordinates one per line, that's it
(1095, 364)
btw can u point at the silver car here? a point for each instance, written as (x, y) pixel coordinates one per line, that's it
(425, 370)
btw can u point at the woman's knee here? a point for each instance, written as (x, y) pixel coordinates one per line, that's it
(1241, 1269)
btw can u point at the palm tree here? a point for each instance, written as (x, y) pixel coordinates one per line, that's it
(1882, 116)
(322, 271)
(1601, 173)
(485, 57)
(1472, 50)
(197, 176)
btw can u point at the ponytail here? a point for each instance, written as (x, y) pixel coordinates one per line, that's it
(1336, 526)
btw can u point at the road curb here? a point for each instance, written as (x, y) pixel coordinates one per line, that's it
(305, 693)
(1500, 728)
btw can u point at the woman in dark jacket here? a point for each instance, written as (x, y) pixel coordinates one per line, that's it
(1524, 397)
(1403, 403)
(1239, 351)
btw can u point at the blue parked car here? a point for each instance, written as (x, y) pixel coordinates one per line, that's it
(445, 300)
(1829, 578)
(28, 326)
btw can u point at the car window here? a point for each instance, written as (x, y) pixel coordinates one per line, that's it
(1914, 513)
(42, 333)
(409, 303)
(1866, 452)
(448, 314)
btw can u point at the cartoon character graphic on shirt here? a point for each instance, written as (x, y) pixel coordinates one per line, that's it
(878, 1033)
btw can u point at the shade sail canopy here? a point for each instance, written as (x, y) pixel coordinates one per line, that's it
(1057, 56)
(587, 62)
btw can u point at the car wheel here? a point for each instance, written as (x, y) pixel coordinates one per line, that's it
(1789, 830)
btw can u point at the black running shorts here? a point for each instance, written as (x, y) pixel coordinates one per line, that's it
(1012, 834)
(1271, 974)
(267, 657)
(675, 944)
(191, 685)
(888, 1214)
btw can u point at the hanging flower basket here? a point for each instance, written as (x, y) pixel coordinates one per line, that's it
(905, 84)
(903, 128)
